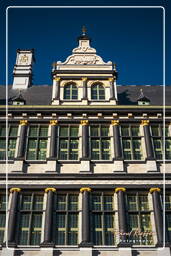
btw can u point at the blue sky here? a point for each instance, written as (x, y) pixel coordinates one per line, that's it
(131, 37)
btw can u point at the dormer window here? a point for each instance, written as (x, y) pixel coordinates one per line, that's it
(97, 92)
(70, 92)
(143, 100)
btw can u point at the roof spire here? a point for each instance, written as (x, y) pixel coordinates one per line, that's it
(84, 30)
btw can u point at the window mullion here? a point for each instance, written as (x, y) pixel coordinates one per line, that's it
(66, 220)
(103, 221)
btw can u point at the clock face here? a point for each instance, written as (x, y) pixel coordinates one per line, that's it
(23, 59)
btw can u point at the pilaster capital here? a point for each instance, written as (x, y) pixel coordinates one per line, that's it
(53, 122)
(145, 122)
(15, 190)
(84, 78)
(154, 190)
(85, 189)
(84, 122)
(57, 78)
(50, 189)
(23, 122)
(120, 189)
(111, 79)
(115, 122)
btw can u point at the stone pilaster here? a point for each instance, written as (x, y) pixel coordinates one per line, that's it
(48, 219)
(122, 216)
(85, 161)
(84, 80)
(22, 139)
(157, 214)
(85, 218)
(53, 140)
(112, 92)
(13, 217)
(148, 142)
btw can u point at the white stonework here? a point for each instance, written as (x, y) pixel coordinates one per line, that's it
(86, 252)
(118, 166)
(85, 166)
(151, 166)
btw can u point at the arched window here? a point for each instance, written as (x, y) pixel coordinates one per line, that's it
(97, 92)
(70, 92)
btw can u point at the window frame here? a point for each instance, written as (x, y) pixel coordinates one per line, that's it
(131, 138)
(138, 212)
(102, 212)
(31, 213)
(68, 138)
(167, 212)
(66, 212)
(100, 138)
(3, 212)
(160, 137)
(7, 142)
(38, 138)
(71, 86)
(98, 86)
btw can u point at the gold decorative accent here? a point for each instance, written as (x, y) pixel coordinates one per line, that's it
(84, 122)
(15, 190)
(120, 189)
(53, 122)
(50, 189)
(110, 79)
(145, 122)
(57, 79)
(23, 122)
(154, 189)
(85, 189)
(115, 122)
(84, 78)
(24, 58)
(130, 115)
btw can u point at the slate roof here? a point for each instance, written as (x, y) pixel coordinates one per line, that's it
(127, 94)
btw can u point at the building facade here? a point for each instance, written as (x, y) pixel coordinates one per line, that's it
(83, 162)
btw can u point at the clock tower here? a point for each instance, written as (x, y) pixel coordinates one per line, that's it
(23, 69)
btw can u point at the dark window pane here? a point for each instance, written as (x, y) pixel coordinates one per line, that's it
(61, 202)
(155, 131)
(43, 131)
(72, 229)
(26, 202)
(104, 131)
(73, 202)
(135, 131)
(13, 131)
(96, 202)
(64, 131)
(38, 202)
(125, 130)
(109, 229)
(33, 131)
(3, 131)
(108, 202)
(74, 131)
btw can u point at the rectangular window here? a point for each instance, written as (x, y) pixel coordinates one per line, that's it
(12, 139)
(131, 142)
(138, 216)
(37, 142)
(2, 216)
(68, 143)
(168, 215)
(157, 140)
(102, 219)
(100, 142)
(30, 213)
(66, 212)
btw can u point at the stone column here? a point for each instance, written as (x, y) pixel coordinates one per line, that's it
(56, 89)
(53, 140)
(157, 214)
(148, 142)
(122, 216)
(22, 139)
(48, 219)
(117, 140)
(13, 217)
(85, 139)
(85, 218)
(84, 79)
(112, 92)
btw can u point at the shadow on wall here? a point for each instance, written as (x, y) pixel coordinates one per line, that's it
(124, 99)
